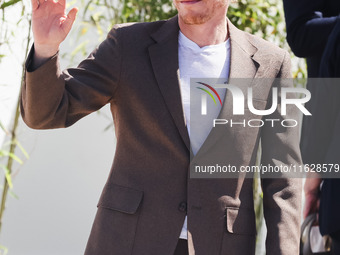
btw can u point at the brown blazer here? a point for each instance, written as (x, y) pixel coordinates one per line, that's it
(148, 192)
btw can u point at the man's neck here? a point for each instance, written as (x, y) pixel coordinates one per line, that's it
(210, 33)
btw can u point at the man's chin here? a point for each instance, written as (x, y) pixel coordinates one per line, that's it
(197, 19)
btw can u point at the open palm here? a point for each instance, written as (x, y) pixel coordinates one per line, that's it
(50, 23)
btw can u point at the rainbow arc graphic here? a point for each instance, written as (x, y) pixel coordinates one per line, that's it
(204, 96)
(209, 93)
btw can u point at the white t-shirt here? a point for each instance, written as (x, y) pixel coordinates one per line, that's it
(211, 61)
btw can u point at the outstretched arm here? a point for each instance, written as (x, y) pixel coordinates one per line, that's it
(54, 99)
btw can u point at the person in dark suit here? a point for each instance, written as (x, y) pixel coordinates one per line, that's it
(309, 24)
(326, 110)
(149, 193)
(313, 32)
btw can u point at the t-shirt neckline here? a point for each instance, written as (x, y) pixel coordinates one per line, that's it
(187, 43)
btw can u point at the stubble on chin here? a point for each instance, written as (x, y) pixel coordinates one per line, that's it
(201, 18)
(197, 19)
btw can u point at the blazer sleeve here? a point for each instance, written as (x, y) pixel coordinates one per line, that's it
(307, 27)
(282, 195)
(54, 99)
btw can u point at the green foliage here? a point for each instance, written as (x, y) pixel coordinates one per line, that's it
(9, 3)
(8, 151)
(3, 128)
(7, 29)
(264, 18)
(144, 11)
(9, 154)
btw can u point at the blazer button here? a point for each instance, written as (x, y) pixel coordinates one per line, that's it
(182, 207)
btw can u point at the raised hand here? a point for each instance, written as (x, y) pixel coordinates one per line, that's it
(50, 26)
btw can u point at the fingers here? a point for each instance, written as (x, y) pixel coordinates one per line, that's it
(306, 210)
(309, 209)
(35, 4)
(311, 205)
(62, 2)
(71, 16)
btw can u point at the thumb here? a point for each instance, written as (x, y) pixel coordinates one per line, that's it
(306, 210)
(309, 205)
(71, 16)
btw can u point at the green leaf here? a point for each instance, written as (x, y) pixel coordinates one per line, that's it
(16, 158)
(3, 128)
(7, 175)
(21, 148)
(12, 194)
(9, 3)
(11, 155)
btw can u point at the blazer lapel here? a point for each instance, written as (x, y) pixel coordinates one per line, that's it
(164, 59)
(243, 64)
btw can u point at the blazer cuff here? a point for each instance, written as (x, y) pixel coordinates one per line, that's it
(29, 61)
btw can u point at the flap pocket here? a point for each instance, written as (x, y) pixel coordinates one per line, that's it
(240, 221)
(120, 198)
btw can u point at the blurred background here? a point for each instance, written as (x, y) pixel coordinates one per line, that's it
(49, 178)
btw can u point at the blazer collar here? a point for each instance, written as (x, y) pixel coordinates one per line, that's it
(244, 62)
(169, 30)
(164, 58)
